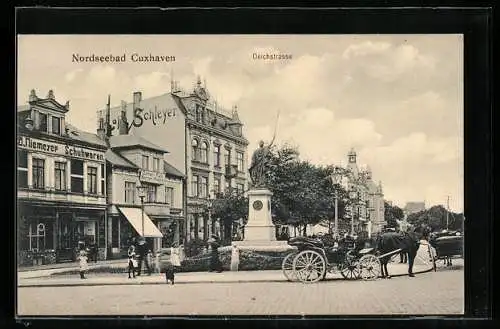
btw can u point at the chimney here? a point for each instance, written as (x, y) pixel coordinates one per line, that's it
(137, 99)
(122, 121)
(101, 130)
(107, 122)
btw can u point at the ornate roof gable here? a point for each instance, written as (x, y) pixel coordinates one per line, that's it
(49, 103)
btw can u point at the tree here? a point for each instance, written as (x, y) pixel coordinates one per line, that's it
(302, 192)
(392, 214)
(435, 218)
(230, 207)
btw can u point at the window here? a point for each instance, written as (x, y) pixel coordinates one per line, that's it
(22, 168)
(145, 162)
(36, 235)
(103, 180)
(239, 161)
(92, 180)
(227, 157)
(203, 187)
(38, 173)
(194, 186)
(240, 188)
(56, 125)
(198, 113)
(217, 156)
(169, 195)
(216, 185)
(156, 164)
(60, 176)
(204, 152)
(151, 193)
(77, 176)
(43, 122)
(130, 192)
(194, 149)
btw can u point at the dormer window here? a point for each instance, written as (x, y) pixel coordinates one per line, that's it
(43, 122)
(56, 125)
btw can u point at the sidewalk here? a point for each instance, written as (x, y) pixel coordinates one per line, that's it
(47, 270)
(395, 269)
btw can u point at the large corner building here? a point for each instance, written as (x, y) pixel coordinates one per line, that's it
(204, 144)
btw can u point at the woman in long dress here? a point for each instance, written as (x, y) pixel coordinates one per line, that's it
(215, 263)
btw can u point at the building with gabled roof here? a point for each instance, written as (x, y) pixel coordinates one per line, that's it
(135, 164)
(61, 179)
(205, 144)
(367, 196)
(414, 207)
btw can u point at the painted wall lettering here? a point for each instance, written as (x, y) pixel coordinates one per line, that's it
(59, 149)
(155, 116)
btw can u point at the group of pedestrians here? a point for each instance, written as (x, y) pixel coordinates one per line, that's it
(138, 253)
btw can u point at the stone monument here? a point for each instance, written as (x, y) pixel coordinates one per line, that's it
(260, 232)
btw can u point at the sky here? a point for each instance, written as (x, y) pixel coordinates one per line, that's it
(397, 99)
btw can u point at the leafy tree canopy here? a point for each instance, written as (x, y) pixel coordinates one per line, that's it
(435, 217)
(392, 214)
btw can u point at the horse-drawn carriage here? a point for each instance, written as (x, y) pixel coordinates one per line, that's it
(315, 257)
(447, 246)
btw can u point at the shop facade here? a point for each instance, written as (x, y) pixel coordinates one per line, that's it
(61, 179)
(137, 165)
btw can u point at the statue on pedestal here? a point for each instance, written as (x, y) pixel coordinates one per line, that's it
(259, 167)
(261, 162)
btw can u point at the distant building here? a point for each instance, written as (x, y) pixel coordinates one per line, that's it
(367, 197)
(414, 207)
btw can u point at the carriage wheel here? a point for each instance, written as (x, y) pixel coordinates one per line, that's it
(287, 267)
(350, 270)
(309, 266)
(369, 266)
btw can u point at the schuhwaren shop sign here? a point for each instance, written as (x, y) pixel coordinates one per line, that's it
(58, 149)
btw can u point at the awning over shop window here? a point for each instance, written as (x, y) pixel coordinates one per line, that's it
(134, 216)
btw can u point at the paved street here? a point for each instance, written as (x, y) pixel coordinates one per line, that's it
(428, 293)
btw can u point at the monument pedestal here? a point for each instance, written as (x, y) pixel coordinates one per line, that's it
(260, 233)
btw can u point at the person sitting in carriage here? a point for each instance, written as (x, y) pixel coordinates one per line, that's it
(348, 241)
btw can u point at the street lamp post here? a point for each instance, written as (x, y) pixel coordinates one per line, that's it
(354, 201)
(141, 192)
(335, 177)
(209, 213)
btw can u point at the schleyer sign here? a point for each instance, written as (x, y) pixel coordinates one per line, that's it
(59, 149)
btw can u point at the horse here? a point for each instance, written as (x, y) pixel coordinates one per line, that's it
(408, 242)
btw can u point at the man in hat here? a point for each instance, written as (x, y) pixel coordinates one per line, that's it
(142, 252)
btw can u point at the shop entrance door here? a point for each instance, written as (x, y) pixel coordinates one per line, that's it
(68, 238)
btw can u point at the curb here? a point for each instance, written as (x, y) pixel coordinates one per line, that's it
(132, 283)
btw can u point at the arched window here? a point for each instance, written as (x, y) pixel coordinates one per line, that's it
(204, 152)
(194, 148)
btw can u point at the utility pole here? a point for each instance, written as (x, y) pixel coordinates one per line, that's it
(447, 211)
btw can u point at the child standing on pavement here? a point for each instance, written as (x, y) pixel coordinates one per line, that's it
(84, 266)
(132, 261)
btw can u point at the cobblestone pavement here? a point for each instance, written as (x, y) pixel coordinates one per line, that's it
(438, 292)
